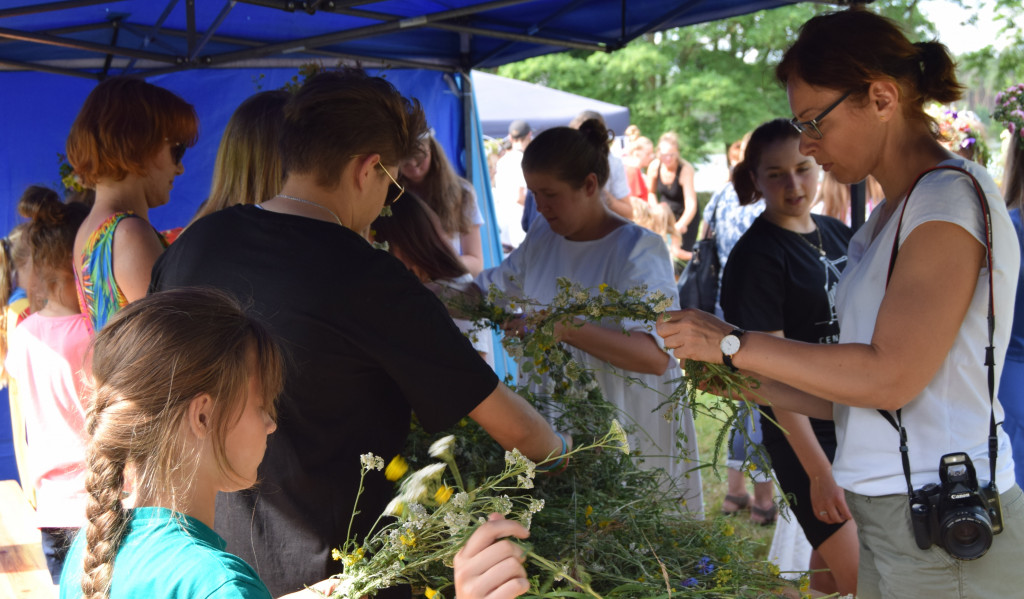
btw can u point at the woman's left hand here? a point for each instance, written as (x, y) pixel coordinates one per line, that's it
(694, 334)
(828, 500)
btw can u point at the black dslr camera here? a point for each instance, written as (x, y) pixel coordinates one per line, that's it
(956, 515)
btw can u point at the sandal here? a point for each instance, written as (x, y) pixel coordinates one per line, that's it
(741, 502)
(764, 517)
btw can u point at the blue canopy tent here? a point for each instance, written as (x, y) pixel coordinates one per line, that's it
(214, 53)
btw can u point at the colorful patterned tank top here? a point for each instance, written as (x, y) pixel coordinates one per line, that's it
(98, 293)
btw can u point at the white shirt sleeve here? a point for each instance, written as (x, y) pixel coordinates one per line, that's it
(617, 184)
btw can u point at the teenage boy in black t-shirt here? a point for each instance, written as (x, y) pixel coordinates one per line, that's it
(366, 343)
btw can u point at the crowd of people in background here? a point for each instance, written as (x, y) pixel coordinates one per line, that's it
(272, 341)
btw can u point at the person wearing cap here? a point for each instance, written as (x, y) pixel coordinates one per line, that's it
(510, 186)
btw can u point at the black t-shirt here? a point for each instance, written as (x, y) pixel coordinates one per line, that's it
(365, 344)
(777, 280)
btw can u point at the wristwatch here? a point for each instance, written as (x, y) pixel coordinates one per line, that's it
(730, 345)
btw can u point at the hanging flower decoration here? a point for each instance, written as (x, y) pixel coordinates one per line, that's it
(1009, 109)
(962, 131)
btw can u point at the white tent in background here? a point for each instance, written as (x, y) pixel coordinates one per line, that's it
(501, 100)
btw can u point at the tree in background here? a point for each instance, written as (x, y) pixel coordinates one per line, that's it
(988, 71)
(711, 83)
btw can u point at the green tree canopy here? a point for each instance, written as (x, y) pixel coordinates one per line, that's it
(709, 83)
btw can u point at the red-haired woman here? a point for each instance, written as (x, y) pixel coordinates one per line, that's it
(126, 143)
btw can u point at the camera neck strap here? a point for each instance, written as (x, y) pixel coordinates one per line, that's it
(990, 362)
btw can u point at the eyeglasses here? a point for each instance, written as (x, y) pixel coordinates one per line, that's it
(177, 153)
(395, 190)
(810, 128)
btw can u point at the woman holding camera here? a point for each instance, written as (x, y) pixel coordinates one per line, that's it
(914, 330)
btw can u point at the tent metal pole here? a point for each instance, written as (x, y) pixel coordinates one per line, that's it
(519, 37)
(467, 120)
(190, 26)
(154, 31)
(74, 29)
(394, 23)
(110, 57)
(29, 66)
(217, 22)
(238, 41)
(534, 28)
(20, 11)
(52, 40)
(455, 13)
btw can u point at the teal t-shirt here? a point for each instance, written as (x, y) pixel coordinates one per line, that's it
(168, 555)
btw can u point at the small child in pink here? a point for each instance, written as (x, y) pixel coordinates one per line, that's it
(45, 361)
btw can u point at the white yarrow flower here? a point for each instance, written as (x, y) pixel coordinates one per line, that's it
(442, 448)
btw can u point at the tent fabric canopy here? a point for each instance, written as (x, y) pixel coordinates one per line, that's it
(93, 37)
(500, 101)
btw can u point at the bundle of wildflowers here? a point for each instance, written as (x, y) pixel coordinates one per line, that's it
(608, 528)
(544, 361)
(435, 512)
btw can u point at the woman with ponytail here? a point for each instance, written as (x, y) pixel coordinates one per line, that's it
(781, 278)
(582, 239)
(44, 361)
(908, 384)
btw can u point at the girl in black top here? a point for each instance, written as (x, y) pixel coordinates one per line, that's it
(781, 278)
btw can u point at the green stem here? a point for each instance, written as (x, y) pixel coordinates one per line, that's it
(553, 567)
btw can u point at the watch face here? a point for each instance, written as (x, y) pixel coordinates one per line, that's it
(730, 344)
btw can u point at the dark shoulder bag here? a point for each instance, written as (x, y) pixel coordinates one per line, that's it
(698, 285)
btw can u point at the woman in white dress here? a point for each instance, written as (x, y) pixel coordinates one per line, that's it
(581, 239)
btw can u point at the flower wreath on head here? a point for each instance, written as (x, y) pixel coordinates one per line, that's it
(962, 129)
(1009, 109)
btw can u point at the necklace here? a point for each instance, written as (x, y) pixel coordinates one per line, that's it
(820, 248)
(322, 207)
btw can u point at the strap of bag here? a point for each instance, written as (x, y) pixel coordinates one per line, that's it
(710, 230)
(897, 422)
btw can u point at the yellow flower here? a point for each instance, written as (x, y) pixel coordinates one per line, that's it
(443, 494)
(396, 468)
(353, 558)
(336, 554)
(773, 569)
(728, 530)
(589, 510)
(805, 584)
(602, 287)
(430, 593)
(408, 540)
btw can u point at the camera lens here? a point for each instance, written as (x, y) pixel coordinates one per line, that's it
(966, 534)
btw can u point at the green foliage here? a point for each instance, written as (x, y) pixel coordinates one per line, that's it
(709, 83)
(602, 528)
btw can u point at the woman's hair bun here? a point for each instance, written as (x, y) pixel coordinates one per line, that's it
(41, 204)
(938, 73)
(596, 133)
